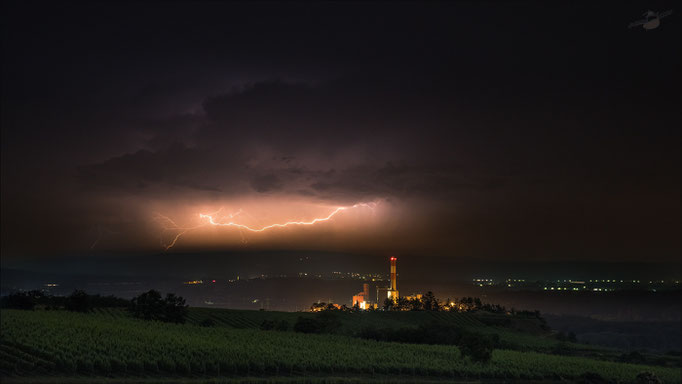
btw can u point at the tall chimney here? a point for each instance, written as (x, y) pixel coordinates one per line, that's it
(365, 291)
(394, 280)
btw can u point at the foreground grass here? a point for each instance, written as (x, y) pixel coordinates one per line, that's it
(239, 380)
(39, 343)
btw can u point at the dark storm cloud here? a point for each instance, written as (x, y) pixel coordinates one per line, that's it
(266, 183)
(340, 140)
(555, 135)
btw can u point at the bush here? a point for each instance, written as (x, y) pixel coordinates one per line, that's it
(591, 378)
(282, 326)
(477, 347)
(267, 325)
(632, 357)
(647, 378)
(78, 301)
(207, 323)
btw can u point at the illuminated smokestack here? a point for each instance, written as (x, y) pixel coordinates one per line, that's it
(365, 291)
(394, 280)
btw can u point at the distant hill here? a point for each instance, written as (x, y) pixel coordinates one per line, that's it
(630, 335)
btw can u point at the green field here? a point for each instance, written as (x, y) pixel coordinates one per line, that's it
(54, 345)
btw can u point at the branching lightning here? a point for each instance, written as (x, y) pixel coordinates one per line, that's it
(214, 219)
(101, 233)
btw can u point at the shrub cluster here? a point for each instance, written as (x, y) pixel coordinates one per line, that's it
(150, 306)
(269, 325)
(78, 301)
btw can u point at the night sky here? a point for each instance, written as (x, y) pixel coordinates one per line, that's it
(532, 131)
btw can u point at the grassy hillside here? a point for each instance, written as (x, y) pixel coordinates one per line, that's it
(350, 323)
(523, 333)
(58, 344)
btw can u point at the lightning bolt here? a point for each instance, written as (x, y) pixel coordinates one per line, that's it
(225, 221)
(169, 225)
(101, 232)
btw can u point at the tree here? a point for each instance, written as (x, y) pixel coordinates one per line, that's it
(388, 304)
(175, 309)
(150, 306)
(446, 305)
(416, 304)
(430, 302)
(572, 338)
(19, 300)
(402, 304)
(78, 301)
(477, 303)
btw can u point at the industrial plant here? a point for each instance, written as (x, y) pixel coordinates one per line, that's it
(362, 299)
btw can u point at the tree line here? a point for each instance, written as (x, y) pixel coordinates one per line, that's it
(148, 306)
(78, 301)
(427, 302)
